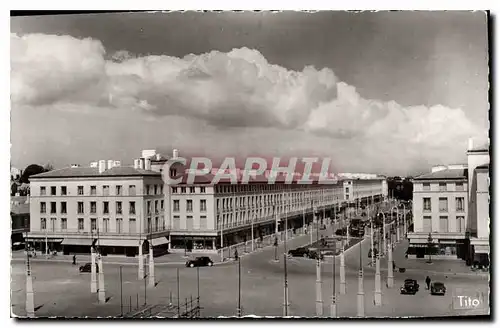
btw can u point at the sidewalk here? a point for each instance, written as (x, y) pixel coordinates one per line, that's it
(438, 266)
(168, 259)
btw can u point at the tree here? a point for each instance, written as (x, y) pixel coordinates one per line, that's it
(31, 170)
(48, 167)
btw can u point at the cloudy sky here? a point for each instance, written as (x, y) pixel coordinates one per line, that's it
(377, 92)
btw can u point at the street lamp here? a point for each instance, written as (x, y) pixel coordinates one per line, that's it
(333, 307)
(361, 293)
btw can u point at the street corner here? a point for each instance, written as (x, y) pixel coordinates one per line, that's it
(469, 299)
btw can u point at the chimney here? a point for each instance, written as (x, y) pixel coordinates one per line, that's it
(471, 144)
(175, 154)
(141, 163)
(110, 163)
(147, 164)
(136, 164)
(102, 166)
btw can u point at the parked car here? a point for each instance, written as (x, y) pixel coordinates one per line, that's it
(410, 286)
(313, 254)
(375, 252)
(438, 288)
(87, 267)
(301, 251)
(341, 232)
(200, 261)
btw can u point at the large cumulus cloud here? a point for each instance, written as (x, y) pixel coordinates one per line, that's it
(232, 90)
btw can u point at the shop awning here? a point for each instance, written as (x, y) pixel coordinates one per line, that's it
(77, 241)
(159, 241)
(119, 242)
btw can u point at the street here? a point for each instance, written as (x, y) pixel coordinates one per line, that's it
(60, 290)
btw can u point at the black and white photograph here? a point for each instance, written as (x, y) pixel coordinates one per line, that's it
(250, 164)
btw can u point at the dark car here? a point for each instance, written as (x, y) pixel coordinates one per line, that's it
(438, 288)
(87, 267)
(341, 232)
(410, 286)
(200, 261)
(313, 254)
(298, 252)
(375, 252)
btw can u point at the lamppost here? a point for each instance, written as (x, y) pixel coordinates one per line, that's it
(333, 306)
(342, 270)
(430, 242)
(30, 299)
(285, 288)
(319, 298)
(253, 219)
(151, 259)
(390, 267)
(239, 288)
(361, 293)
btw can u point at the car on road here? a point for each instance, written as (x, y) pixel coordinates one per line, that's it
(375, 252)
(316, 255)
(199, 262)
(438, 288)
(410, 286)
(87, 267)
(299, 252)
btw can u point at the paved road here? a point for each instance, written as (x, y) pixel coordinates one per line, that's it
(61, 291)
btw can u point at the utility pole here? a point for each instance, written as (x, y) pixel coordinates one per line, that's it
(285, 289)
(361, 293)
(333, 307)
(390, 275)
(30, 299)
(319, 299)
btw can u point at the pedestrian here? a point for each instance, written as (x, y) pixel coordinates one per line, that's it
(74, 259)
(428, 282)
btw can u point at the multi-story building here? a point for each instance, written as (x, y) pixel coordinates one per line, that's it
(73, 206)
(205, 215)
(452, 204)
(478, 223)
(439, 209)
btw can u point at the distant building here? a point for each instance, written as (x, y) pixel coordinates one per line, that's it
(20, 218)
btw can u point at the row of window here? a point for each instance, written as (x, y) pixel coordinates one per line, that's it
(192, 190)
(156, 207)
(157, 225)
(443, 204)
(190, 222)
(444, 224)
(189, 205)
(150, 190)
(459, 186)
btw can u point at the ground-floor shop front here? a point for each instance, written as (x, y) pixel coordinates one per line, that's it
(439, 248)
(107, 246)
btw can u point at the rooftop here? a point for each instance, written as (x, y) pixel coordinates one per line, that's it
(79, 172)
(448, 174)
